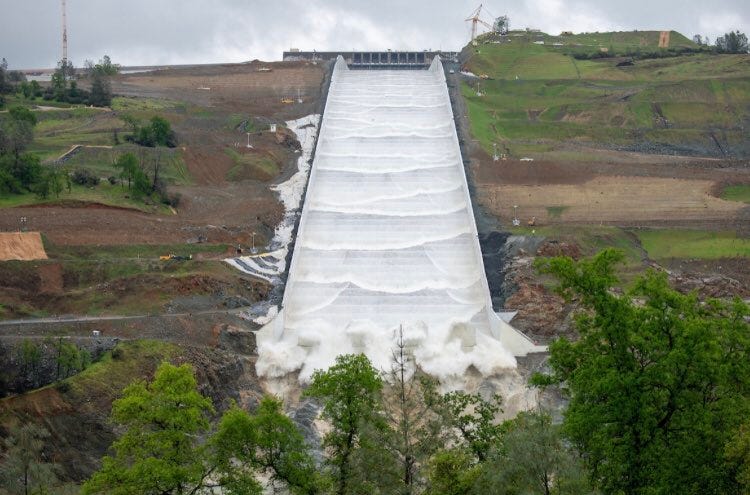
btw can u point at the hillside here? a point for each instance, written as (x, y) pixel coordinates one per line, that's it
(607, 140)
(608, 90)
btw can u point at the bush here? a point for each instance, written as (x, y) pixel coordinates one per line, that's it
(172, 200)
(112, 179)
(62, 387)
(84, 177)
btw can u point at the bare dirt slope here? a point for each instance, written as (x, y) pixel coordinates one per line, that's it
(23, 246)
(207, 123)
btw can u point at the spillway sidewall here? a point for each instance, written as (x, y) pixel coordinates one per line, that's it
(440, 74)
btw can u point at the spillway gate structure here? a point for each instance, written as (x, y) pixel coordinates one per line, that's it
(387, 243)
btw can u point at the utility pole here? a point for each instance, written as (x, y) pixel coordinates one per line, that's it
(65, 35)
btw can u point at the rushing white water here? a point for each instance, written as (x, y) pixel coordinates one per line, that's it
(387, 239)
(269, 265)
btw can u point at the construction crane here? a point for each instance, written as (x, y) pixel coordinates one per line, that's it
(475, 19)
(65, 34)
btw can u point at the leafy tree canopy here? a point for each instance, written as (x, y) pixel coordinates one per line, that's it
(659, 382)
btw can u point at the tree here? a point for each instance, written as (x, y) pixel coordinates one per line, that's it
(24, 470)
(36, 89)
(658, 382)
(697, 39)
(101, 90)
(267, 441)
(348, 391)
(532, 458)
(738, 454)
(411, 429)
(732, 42)
(128, 166)
(17, 131)
(51, 181)
(159, 451)
(452, 472)
(473, 418)
(162, 132)
(30, 355)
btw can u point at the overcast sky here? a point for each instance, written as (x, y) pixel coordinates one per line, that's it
(149, 32)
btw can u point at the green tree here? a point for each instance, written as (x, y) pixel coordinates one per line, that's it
(410, 431)
(127, 164)
(101, 91)
(267, 441)
(161, 131)
(51, 181)
(452, 472)
(738, 454)
(160, 451)
(24, 470)
(658, 381)
(349, 393)
(473, 418)
(30, 355)
(732, 42)
(36, 89)
(17, 132)
(532, 458)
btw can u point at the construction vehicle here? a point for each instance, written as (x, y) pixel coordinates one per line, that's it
(175, 257)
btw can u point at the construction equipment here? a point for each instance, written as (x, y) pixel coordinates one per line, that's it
(287, 101)
(175, 257)
(474, 18)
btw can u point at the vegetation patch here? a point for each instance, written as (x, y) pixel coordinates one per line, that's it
(253, 165)
(556, 211)
(675, 103)
(739, 192)
(693, 244)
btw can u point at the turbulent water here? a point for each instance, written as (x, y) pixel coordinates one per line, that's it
(387, 239)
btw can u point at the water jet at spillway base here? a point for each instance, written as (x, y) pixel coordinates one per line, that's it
(387, 242)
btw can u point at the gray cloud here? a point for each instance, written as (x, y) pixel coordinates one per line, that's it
(197, 31)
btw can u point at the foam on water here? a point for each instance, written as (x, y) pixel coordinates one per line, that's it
(387, 239)
(271, 264)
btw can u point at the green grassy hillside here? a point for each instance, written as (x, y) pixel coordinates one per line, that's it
(685, 101)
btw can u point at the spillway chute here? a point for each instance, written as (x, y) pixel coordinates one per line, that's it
(387, 242)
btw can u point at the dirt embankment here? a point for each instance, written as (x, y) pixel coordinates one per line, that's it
(22, 246)
(98, 287)
(630, 193)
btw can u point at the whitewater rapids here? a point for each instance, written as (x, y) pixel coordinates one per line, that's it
(387, 239)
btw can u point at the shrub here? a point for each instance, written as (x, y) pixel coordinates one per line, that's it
(84, 177)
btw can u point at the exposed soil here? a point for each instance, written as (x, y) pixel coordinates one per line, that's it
(222, 211)
(60, 288)
(21, 246)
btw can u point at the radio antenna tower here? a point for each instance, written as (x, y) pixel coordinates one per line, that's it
(65, 34)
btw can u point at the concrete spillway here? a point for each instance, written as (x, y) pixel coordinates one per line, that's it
(387, 238)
